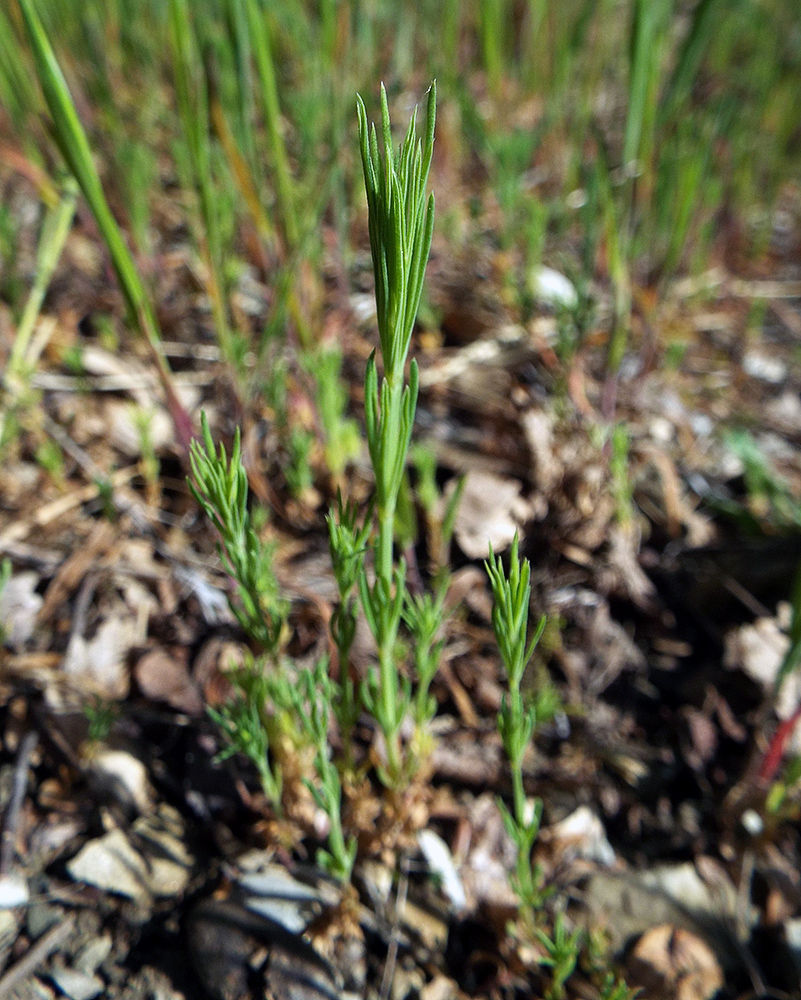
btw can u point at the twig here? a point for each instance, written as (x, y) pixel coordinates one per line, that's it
(35, 955)
(392, 950)
(12, 813)
(49, 512)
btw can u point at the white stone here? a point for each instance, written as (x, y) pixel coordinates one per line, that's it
(440, 862)
(583, 833)
(764, 367)
(13, 892)
(124, 775)
(553, 288)
(77, 985)
(110, 863)
(19, 606)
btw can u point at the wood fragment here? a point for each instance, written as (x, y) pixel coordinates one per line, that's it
(38, 953)
(12, 813)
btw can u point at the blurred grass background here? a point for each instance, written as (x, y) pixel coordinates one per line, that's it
(622, 141)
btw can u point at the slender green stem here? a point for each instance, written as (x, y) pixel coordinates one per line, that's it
(261, 34)
(54, 235)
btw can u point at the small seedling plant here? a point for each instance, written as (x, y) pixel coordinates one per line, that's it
(516, 720)
(401, 223)
(370, 578)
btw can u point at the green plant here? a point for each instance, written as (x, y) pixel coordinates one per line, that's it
(244, 725)
(781, 802)
(55, 229)
(561, 954)
(74, 147)
(613, 988)
(401, 222)
(17, 89)
(261, 39)
(341, 435)
(319, 695)
(494, 26)
(620, 473)
(101, 714)
(298, 470)
(517, 721)
(193, 107)
(51, 458)
(439, 512)
(424, 615)
(25, 350)
(347, 545)
(221, 488)
(770, 498)
(149, 462)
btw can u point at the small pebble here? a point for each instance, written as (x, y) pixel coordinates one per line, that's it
(13, 892)
(93, 954)
(553, 288)
(77, 985)
(765, 368)
(752, 822)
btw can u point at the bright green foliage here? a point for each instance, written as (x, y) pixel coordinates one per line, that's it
(347, 545)
(74, 146)
(622, 487)
(244, 725)
(193, 108)
(75, 149)
(298, 470)
(15, 379)
(516, 721)
(401, 222)
(510, 613)
(101, 714)
(221, 488)
(342, 441)
(440, 514)
(55, 230)
(387, 695)
(424, 615)
(319, 695)
(561, 954)
(142, 420)
(261, 39)
(771, 499)
(17, 90)
(389, 431)
(613, 988)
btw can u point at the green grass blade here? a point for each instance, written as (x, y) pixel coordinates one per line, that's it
(193, 107)
(51, 242)
(262, 48)
(702, 29)
(17, 91)
(74, 145)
